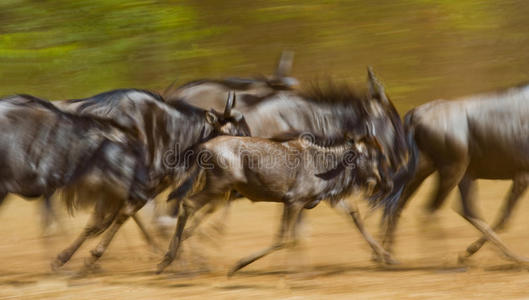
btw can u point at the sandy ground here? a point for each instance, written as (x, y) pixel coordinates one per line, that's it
(333, 260)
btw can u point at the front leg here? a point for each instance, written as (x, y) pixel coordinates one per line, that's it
(124, 214)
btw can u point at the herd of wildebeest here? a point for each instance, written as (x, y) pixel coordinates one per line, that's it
(272, 139)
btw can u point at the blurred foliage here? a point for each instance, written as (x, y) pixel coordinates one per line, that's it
(422, 49)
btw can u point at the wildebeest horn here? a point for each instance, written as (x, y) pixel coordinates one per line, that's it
(285, 64)
(230, 103)
(375, 87)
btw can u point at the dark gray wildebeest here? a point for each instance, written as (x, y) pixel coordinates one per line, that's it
(298, 172)
(478, 137)
(45, 149)
(329, 110)
(211, 93)
(166, 133)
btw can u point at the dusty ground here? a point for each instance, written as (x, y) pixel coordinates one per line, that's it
(333, 260)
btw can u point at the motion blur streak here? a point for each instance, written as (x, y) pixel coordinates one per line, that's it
(421, 50)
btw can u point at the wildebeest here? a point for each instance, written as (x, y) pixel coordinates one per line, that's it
(211, 93)
(328, 110)
(296, 172)
(331, 110)
(166, 132)
(478, 137)
(45, 149)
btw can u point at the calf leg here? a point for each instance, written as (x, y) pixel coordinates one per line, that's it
(353, 211)
(519, 186)
(290, 216)
(190, 206)
(469, 214)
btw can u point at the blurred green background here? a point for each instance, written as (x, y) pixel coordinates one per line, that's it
(422, 49)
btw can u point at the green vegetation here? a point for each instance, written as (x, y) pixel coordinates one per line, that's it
(72, 48)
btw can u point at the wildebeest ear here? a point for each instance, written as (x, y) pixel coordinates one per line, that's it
(237, 115)
(284, 66)
(375, 88)
(211, 117)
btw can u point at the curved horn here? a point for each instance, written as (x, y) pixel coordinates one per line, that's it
(230, 103)
(285, 64)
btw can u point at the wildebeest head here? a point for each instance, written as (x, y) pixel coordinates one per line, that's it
(385, 122)
(230, 122)
(372, 170)
(211, 93)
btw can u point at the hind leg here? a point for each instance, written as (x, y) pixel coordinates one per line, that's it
(424, 170)
(291, 213)
(470, 215)
(353, 211)
(519, 186)
(145, 233)
(128, 210)
(97, 223)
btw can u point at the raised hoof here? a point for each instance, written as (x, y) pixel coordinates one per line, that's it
(463, 258)
(232, 272)
(56, 264)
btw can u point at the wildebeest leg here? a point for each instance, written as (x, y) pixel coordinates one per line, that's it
(288, 220)
(198, 201)
(146, 235)
(519, 186)
(50, 216)
(469, 214)
(96, 224)
(424, 170)
(198, 219)
(128, 210)
(353, 211)
(449, 176)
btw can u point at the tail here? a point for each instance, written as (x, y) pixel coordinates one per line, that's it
(402, 176)
(180, 193)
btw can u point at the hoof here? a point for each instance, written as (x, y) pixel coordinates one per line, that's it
(390, 261)
(231, 273)
(463, 258)
(56, 264)
(162, 265)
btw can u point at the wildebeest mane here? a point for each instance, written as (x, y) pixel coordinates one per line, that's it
(234, 83)
(113, 97)
(100, 122)
(333, 92)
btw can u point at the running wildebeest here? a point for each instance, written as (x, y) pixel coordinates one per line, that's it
(211, 93)
(45, 149)
(296, 172)
(166, 133)
(478, 137)
(329, 110)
